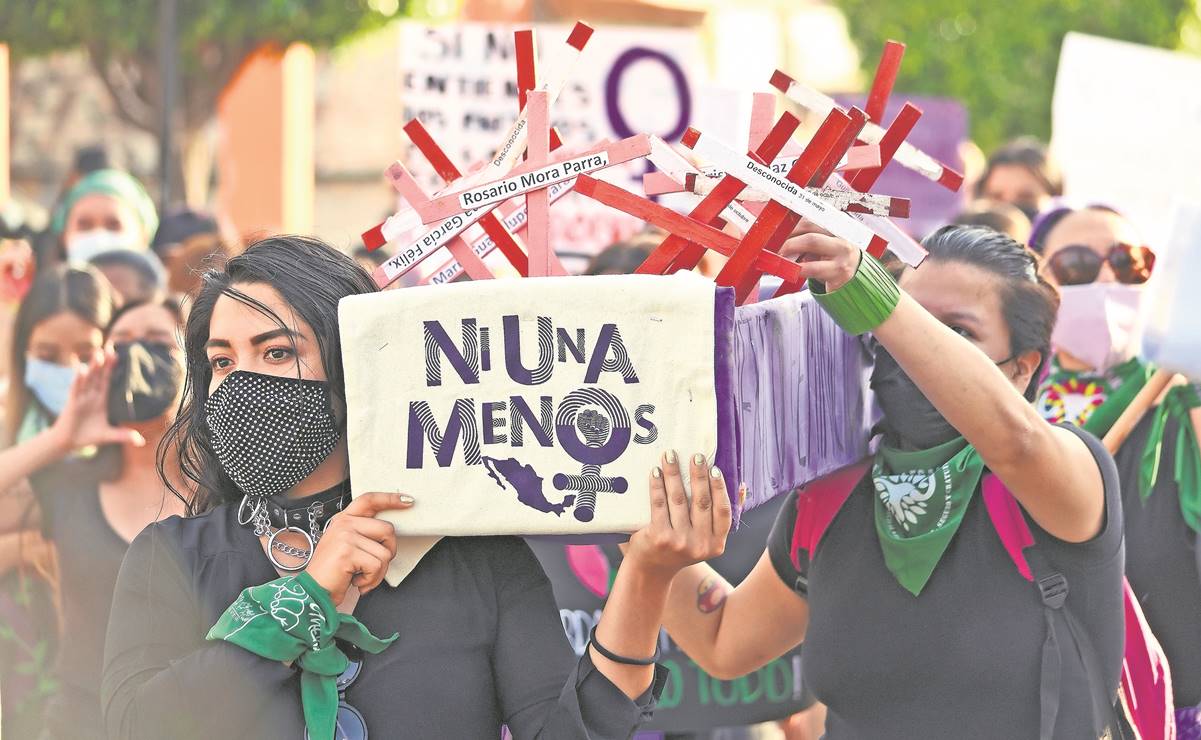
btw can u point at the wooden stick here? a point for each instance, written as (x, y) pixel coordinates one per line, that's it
(687, 228)
(886, 77)
(447, 170)
(1133, 414)
(675, 252)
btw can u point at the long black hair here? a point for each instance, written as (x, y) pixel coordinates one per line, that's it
(1029, 304)
(81, 290)
(311, 277)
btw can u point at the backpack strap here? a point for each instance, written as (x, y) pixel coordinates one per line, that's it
(818, 503)
(1010, 524)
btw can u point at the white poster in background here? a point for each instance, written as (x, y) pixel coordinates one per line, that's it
(1125, 120)
(460, 81)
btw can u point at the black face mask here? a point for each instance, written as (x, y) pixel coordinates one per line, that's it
(145, 382)
(906, 407)
(270, 432)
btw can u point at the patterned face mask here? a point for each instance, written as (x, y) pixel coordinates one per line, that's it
(270, 432)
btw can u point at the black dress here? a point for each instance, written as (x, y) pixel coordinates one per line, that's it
(480, 645)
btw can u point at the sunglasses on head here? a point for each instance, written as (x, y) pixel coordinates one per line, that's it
(1078, 264)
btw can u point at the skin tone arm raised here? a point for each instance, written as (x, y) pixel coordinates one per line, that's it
(83, 422)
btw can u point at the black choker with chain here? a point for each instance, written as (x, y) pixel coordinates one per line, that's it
(271, 516)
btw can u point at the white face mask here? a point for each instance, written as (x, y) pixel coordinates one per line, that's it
(1098, 323)
(84, 246)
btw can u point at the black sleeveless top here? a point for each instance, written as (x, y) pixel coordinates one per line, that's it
(963, 658)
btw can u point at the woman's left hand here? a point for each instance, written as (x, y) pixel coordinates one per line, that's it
(682, 532)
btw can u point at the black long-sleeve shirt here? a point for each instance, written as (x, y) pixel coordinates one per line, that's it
(480, 645)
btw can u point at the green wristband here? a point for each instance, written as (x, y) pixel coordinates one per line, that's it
(864, 301)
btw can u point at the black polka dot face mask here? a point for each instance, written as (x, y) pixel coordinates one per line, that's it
(270, 432)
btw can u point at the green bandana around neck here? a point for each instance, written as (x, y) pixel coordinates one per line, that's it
(293, 619)
(920, 501)
(1177, 404)
(1105, 396)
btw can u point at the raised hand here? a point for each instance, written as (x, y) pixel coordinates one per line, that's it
(84, 420)
(682, 531)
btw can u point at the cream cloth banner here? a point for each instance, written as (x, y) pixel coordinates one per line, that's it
(534, 406)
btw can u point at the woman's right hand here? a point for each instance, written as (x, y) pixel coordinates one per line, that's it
(84, 419)
(356, 548)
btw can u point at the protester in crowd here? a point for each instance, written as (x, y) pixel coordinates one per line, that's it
(262, 439)
(931, 631)
(188, 242)
(1023, 173)
(124, 396)
(992, 214)
(58, 326)
(1099, 263)
(107, 219)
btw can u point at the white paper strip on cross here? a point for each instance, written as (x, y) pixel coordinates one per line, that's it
(512, 146)
(907, 155)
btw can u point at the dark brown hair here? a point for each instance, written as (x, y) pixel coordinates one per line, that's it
(1029, 303)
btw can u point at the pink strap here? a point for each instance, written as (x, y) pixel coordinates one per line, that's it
(1146, 682)
(818, 503)
(1008, 521)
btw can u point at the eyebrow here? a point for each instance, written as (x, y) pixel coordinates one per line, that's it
(960, 316)
(260, 338)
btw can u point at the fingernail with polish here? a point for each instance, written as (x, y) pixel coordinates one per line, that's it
(699, 460)
(406, 499)
(656, 472)
(715, 471)
(670, 457)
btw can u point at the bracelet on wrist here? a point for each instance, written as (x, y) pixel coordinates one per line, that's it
(621, 658)
(863, 302)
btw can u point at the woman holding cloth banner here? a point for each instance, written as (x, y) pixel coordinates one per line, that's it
(263, 615)
(916, 622)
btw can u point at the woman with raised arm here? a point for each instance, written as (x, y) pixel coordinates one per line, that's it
(916, 621)
(264, 615)
(123, 398)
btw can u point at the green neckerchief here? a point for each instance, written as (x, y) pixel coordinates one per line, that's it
(1117, 387)
(294, 618)
(1176, 405)
(920, 500)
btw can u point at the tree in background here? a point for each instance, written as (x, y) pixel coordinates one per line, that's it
(999, 58)
(214, 37)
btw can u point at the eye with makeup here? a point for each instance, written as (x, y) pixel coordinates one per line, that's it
(279, 355)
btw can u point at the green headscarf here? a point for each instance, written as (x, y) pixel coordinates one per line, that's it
(118, 184)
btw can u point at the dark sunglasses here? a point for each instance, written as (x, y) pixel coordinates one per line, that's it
(349, 724)
(1077, 264)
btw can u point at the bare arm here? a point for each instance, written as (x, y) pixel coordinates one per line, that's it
(682, 532)
(730, 632)
(83, 422)
(1050, 470)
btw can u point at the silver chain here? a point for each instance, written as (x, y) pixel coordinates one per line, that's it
(296, 552)
(263, 528)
